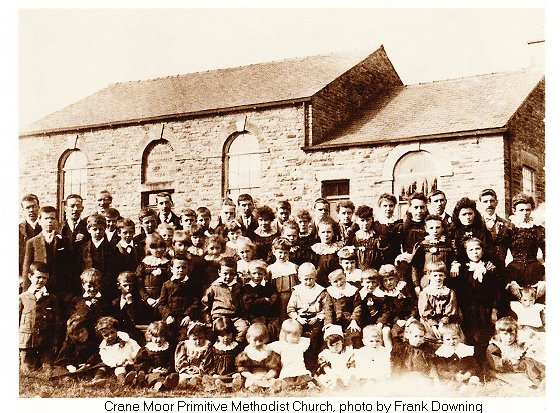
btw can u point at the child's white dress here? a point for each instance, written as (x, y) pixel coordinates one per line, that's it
(372, 363)
(339, 367)
(291, 355)
(118, 354)
(528, 316)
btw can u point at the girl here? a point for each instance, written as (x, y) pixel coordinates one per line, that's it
(246, 253)
(527, 312)
(369, 248)
(198, 240)
(166, 231)
(385, 224)
(307, 232)
(298, 253)
(291, 348)
(437, 302)
(335, 361)
(154, 362)
(414, 356)
(347, 259)
(193, 356)
(153, 271)
(373, 360)
(324, 252)
(455, 360)
(340, 305)
(225, 349)
(117, 352)
(257, 363)
(232, 229)
(264, 234)
(282, 274)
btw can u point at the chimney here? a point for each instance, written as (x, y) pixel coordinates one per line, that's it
(536, 54)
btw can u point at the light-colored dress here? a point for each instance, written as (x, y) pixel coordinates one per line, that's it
(291, 355)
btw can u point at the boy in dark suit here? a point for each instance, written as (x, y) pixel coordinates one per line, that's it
(74, 228)
(29, 227)
(148, 223)
(112, 216)
(246, 219)
(128, 251)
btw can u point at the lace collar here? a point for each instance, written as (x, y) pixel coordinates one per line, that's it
(382, 219)
(461, 350)
(348, 291)
(226, 347)
(323, 249)
(154, 347)
(395, 292)
(263, 234)
(154, 261)
(518, 223)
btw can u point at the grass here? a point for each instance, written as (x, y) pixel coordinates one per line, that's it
(36, 385)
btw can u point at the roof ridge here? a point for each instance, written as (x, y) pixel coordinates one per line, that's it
(524, 70)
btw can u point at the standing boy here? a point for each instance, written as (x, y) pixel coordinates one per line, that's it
(29, 227)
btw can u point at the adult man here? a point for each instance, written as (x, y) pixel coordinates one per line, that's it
(437, 202)
(245, 207)
(164, 204)
(104, 200)
(29, 227)
(498, 227)
(74, 228)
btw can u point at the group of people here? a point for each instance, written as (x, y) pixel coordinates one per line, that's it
(273, 299)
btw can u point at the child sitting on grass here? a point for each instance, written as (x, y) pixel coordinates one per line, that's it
(373, 360)
(335, 361)
(193, 356)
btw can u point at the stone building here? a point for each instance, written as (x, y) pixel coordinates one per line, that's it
(340, 126)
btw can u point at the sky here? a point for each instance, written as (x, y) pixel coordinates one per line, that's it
(68, 54)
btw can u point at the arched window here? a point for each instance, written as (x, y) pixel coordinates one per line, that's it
(414, 172)
(73, 174)
(242, 160)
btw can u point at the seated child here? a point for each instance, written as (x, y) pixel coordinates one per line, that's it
(259, 299)
(39, 322)
(283, 274)
(307, 304)
(436, 302)
(506, 354)
(193, 356)
(455, 360)
(413, 356)
(128, 308)
(178, 303)
(91, 304)
(369, 304)
(527, 312)
(347, 260)
(213, 252)
(335, 361)
(373, 360)
(225, 349)
(291, 348)
(154, 363)
(117, 352)
(78, 350)
(257, 363)
(340, 305)
(223, 298)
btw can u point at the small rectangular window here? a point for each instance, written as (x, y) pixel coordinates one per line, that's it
(148, 198)
(335, 191)
(528, 184)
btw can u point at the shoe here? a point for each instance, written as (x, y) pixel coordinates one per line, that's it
(253, 388)
(129, 378)
(276, 386)
(158, 386)
(140, 378)
(96, 382)
(171, 381)
(120, 379)
(237, 383)
(194, 382)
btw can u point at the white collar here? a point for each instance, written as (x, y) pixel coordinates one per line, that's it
(150, 345)
(32, 224)
(254, 284)
(122, 337)
(97, 243)
(395, 292)
(323, 249)
(42, 290)
(348, 291)
(432, 290)
(98, 295)
(364, 292)
(223, 347)
(153, 260)
(48, 237)
(461, 350)
(521, 224)
(123, 244)
(382, 219)
(302, 288)
(492, 217)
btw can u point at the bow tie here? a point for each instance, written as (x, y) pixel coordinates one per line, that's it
(91, 301)
(478, 268)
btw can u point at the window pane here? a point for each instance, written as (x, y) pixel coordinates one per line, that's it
(243, 165)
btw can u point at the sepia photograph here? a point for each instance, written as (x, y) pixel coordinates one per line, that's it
(282, 203)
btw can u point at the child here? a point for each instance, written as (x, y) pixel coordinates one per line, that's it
(283, 212)
(369, 305)
(193, 356)
(117, 352)
(436, 302)
(306, 305)
(346, 228)
(152, 272)
(335, 361)
(340, 305)
(400, 303)
(298, 253)
(264, 234)
(245, 207)
(413, 356)
(369, 246)
(79, 351)
(165, 215)
(435, 247)
(291, 348)
(506, 354)
(246, 254)
(455, 360)
(283, 274)
(527, 312)
(227, 214)
(222, 298)
(54, 251)
(180, 243)
(232, 230)
(259, 299)
(347, 259)
(225, 349)
(188, 220)
(198, 240)
(74, 229)
(178, 303)
(373, 360)
(129, 256)
(166, 231)
(324, 252)
(129, 308)
(257, 363)
(39, 322)
(98, 253)
(148, 222)
(154, 363)
(386, 225)
(213, 252)
(307, 231)
(112, 216)
(203, 218)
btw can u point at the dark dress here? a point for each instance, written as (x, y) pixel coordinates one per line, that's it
(523, 244)
(224, 358)
(325, 259)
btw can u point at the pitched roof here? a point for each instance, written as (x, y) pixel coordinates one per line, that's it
(202, 92)
(442, 107)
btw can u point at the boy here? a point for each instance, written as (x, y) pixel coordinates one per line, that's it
(129, 309)
(283, 212)
(51, 249)
(188, 220)
(148, 224)
(104, 200)
(203, 218)
(112, 216)
(99, 254)
(39, 325)
(29, 227)
(347, 228)
(222, 298)
(128, 253)
(245, 207)
(369, 305)
(178, 302)
(165, 214)
(75, 228)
